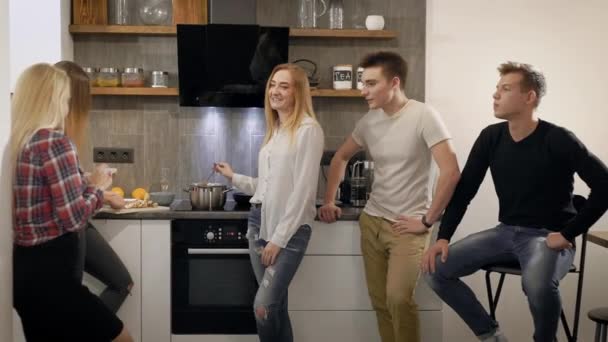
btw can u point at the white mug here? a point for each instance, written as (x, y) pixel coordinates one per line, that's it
(343, 76)
(374, 22)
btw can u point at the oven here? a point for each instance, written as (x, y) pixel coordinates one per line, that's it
(212, 281)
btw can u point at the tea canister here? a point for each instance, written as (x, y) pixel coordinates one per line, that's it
(343, 76)
(360, 78)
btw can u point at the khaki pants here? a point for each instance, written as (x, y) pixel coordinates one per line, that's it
(392, 269)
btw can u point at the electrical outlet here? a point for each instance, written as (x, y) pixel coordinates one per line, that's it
(113, 155)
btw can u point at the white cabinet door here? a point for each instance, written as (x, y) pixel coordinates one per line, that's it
(329, 283)
(156, 281)
(339, 238)
(125, 238)
(353, 326)
(337, 282)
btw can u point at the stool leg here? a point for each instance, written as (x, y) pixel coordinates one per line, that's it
(603, 332)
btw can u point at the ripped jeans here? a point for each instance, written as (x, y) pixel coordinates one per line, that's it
(271, 299)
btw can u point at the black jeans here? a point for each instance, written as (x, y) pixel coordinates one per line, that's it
(50, 299)
(97, 258)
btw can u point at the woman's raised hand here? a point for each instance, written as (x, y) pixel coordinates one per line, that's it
(224, 169)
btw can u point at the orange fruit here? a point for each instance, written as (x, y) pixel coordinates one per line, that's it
(139, 193)
(118, 190)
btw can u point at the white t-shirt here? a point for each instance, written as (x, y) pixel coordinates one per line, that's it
(400, 147)
(287, 181)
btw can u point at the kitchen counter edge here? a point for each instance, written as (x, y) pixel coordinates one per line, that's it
(348, 214)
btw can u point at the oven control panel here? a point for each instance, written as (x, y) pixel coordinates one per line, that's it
(228, 233)
(218, 234)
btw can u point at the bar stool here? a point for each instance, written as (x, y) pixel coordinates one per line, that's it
(600, 317)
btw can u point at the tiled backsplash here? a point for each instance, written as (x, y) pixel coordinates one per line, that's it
(188, 140)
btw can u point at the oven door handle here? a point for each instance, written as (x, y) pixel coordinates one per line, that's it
(207, 251)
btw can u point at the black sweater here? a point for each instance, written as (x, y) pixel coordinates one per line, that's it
(533, 178)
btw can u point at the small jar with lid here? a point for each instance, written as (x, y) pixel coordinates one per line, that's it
(160, 79)
(108, 77)
(132, 77)
(92, 73)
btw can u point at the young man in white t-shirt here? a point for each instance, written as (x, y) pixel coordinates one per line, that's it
(402, 136)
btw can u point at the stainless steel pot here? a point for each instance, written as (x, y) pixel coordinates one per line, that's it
(207, 196)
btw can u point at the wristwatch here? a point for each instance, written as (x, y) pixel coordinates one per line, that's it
(426, 224)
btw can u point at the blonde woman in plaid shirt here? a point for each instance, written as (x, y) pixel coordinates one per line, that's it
(52, 202)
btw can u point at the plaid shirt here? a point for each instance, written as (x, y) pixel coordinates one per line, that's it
(50, 195)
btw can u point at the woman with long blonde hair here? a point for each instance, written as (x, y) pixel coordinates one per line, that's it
(52, 202)
(284, 196)
(96, 256)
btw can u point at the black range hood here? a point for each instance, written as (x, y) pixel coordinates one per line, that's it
(226, 65)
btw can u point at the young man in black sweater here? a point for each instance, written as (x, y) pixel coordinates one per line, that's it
(532, 163)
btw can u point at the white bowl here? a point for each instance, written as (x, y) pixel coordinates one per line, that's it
(374, 22)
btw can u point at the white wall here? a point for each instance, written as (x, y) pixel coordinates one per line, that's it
(38, 33)
(6, 323)
(466, 41)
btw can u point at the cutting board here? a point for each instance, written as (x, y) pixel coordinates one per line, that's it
(133, 210)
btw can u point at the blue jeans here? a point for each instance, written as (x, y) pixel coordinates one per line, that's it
(274, 325)
(542, 269)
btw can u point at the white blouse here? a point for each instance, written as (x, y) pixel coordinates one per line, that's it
(288, 172)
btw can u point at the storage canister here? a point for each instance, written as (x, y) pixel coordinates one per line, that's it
(360, 78)
(132, 77)
(160, 79)
(108, 77)
(92, 73)
(343, 76)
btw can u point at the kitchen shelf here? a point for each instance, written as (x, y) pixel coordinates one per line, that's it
(147, 91)
(132, 91)
(170, 30)
(335, 93)
(345, 33)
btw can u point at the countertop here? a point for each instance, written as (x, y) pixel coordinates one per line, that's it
(598, 237)
(231, 211)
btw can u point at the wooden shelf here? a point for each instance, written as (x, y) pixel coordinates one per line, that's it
(147, 91)
(128, 91)
(346, 33)
(335, 93)
(171, 30)
(168, 30)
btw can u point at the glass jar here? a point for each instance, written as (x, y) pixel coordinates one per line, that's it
(164, 179)
(160, 79)
(155, 12)
(336, 14)
(119, 12)
(92, 73)
(108, 77)
(132, 77)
